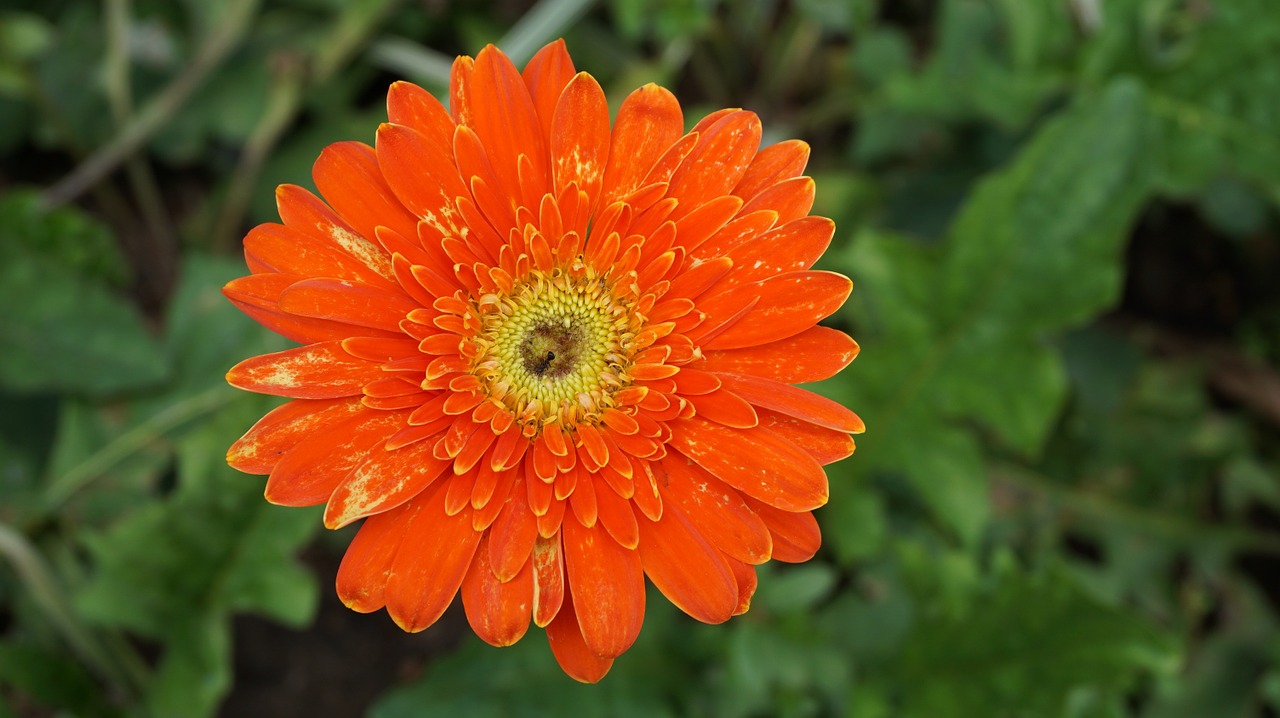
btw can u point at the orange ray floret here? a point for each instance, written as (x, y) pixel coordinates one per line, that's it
(547, 357)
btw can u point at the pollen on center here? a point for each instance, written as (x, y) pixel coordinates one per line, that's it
(555, 348)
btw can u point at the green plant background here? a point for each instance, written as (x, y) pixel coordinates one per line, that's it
(1061, 218)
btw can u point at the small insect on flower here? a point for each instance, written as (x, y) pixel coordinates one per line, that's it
(544, 358)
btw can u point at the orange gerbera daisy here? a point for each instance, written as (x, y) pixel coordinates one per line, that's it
(544, 358)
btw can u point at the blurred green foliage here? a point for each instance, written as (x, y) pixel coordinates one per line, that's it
(1061, 219)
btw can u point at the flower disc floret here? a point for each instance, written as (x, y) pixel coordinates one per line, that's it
(556, 348)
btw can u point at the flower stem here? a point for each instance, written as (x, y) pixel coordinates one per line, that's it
(63, 487)
(160, 255)
(1173, 528)
(159, 110)
(351, 28)
(125, 676)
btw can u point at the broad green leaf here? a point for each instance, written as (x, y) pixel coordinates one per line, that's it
(193, 675)
(27, 424)
(61, 78)
(23, 36)
(1211, 84)
(1228, 673)
(957, 332)
(50, 680)
(524, 681)
(854, 523)
(64, 327)
(176, 569)
(73, 239)
(769, 672)
(1020, 647)
(206, 335)
(85, 432)
(793, 589)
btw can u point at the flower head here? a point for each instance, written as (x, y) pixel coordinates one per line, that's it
(544, 358)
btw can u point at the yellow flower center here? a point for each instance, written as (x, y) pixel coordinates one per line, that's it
(555, 348)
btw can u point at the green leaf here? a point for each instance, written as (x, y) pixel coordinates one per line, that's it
(1020, 647)
(26, 434)
(767, 671)
(23, 36)
(793, 589)
(524, 681)
(175, 570)
(957, 333)
(49, 679)
(854, 523)
(1212, 82)
(64, 328)
(206, 335)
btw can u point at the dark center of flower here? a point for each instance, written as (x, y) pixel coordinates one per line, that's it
(555, 347)
(551, 349)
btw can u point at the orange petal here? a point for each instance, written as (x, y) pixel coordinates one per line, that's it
(616, 515)
(718, 511)
(583, 498)
(318, 371)
(499, 612)
(695, 382)
(687, 569)
(546, 74)
(717, 162)
(699, 277)
(488, 510)
(304, 212)
(711, 118)
(350, 302)
(423, 177)
(570, 650)
(755, 461)
(386, 480)
(792, 247)
(812, 355)
(549, 521)
(772, 165)
(825, 445)
(725, 407)
(289, 251)
(350, 180)
(645, 496)
(286, 426)
(362, 576)
(608, 584)
(433, 558)
(513, 534)
(509, 125)
(497, 213)
(745, 227)
(788, 304)
(696, 227)
(460, 90)
(548, 580)
(791, 199)
(793, 401)
(310, 471)
(412, 106)
(745, 576)
(648, 123)
(796, 537)
(380, 349)
(580, 137)
(258, 295)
